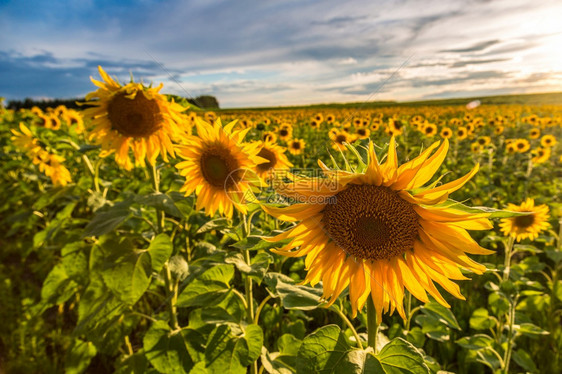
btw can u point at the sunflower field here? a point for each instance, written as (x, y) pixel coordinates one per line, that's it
(142, 234)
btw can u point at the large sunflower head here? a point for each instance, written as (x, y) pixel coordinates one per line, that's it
(132, 117)
(379, 230)
(219, 167)
(526, 226)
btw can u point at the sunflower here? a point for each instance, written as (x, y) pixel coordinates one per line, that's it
(476, 147)
(54, 169)
(339, 139)
(269, 136)
(395, 127)
(132, 116)
(380, 231)
(541, 155)
(276, 159)
(429, 129)
(74, 118)
(362, 133)
(462, 133)
(285, 132)
(528, 226)
(522, 145)
(483, 141)
(296, 146)
(446, 133)
(376, 124)
(511, 148)
(498, 130)
(25, 140)
(534, 133)
(218, 167)
(53, 122)
(548, 141)
(330, 118)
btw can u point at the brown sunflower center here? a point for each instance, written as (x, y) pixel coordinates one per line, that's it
(270, 157)
(362, 132)
(296, 145)
(136, 118)
(340, 139)
(219, 168)
(371, 222)
(524, 221)
(283, 132)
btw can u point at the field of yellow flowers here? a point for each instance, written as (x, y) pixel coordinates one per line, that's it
(142, 234)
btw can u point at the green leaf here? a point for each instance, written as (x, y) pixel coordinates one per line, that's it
(476, 342)
(57, 287)
(481, 320)
(160, 250)
(79, 356)
(208, 288)
(400, 357)
(327, 350)
(75, 260)
(129, 277)
(441, 314)
(433, 328)
(523, 359)
(530, 329)
(498, 303)
(160, 201)
(257, 269)
(167, 350)
(293, 296)
(253, 335)
(230, 352)
(215, 224)
(554, 255)
(255, 243)
(108, 220)
(494, 213)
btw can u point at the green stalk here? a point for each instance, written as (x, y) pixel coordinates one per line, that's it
(510, 337)
(350, 325)
(372, 324)
(507, 260)
(247, 227)
(172, 297)
(156, 184)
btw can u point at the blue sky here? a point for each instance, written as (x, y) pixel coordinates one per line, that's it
(263, 53)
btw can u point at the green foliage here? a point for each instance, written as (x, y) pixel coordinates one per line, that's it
(108, 274)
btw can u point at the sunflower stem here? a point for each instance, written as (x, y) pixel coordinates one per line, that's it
(510, 336)
(372, 324)
(349, 324)
(507, 260)
(97, 175)
(156, 184)
(172, 290)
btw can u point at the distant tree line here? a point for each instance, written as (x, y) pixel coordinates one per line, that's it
(203, 102)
